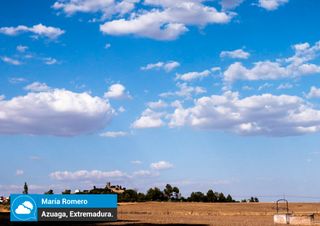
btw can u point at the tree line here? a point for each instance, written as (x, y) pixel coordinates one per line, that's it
(169, 193)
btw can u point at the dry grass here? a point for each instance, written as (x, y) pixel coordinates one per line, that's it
(218, 214)
(222, 214)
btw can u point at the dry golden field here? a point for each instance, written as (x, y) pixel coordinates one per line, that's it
(219, 214)
(231, 214)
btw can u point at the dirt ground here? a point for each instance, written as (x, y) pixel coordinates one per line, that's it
(217, 214)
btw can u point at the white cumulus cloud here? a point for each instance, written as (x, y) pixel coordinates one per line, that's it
(185, 91)
(166, 20)
(85, 174)
(271, 4)
(264, 114)
(294, 66)
(167, 66)
(117, 91)
(10, 60)
(157, 104)
(38, 30)
(235, 54)
(230, 4)
(190, 76)
(37, 87)
(56, 112)
(106, 7)
(314, 92)
(50, 60)
(161, 165)
(149, 119)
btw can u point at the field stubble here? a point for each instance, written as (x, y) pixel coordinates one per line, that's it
(172, 213)
(222, 214)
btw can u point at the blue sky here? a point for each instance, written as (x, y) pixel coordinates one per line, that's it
(220, 94)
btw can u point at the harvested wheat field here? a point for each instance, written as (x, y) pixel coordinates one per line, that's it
(219, 214)
(234, 214)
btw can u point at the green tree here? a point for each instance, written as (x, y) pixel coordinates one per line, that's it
(141, 197)
(66, 192)
(129, 195)
(154, 194)
(176, 192)
(50, 192)
(221, 197)
(25, 188)
(197, 197)
(168, 191)
(229, 198)
(253, 199)
(211, 196)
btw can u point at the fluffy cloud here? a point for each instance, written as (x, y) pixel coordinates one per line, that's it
(117, 91)
(106, 7)
(157, 104)
(89, 175)
(38, 30)
(149, 119)
(10, 60)
(314, 92)
(144, 173)
(114, 134)
(294, 66)
(167, 66)
(50, 61)
(235, 54)
(37, 87)
(185, 91)
(230, 4)
(161, 165)
(187, 77)
(96, 175)
(272, 4)
(166, 20)
(56, 112)
(268, 70)
(265, 114)
(304, 52)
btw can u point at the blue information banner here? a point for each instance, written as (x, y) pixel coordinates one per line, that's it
(63, 207)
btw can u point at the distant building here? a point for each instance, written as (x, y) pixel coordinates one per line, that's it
(108, 189)
(115, 188)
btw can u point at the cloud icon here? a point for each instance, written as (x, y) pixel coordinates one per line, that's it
(28, 205)
(24, 208)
